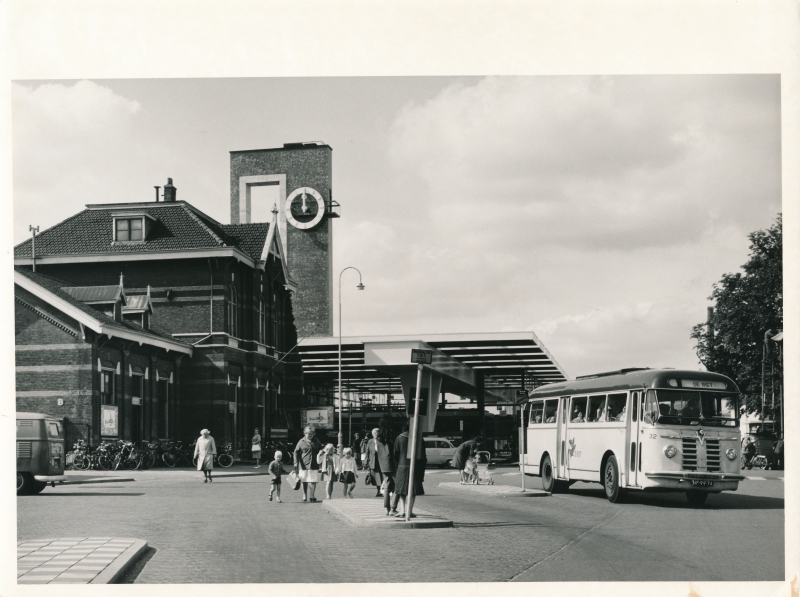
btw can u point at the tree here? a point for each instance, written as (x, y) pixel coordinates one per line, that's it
(746, 306)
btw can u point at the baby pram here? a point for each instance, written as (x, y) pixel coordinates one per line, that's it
(484, 467)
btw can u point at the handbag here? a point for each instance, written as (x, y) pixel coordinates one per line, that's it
(294, 480)
(368, 478)
(256, 448)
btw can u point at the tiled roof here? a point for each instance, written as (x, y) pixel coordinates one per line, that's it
(85, 294)
(178, 226)
(55, 286)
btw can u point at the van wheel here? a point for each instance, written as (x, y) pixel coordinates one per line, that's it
(548, 481)
(38, 486)
(448, 463)
(24, 483)
(697, 498)
(614, 492)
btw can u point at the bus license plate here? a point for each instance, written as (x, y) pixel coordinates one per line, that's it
(702, 483)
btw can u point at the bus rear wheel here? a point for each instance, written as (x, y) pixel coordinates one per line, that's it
(548, 480)
(697, 498)
(614, 492)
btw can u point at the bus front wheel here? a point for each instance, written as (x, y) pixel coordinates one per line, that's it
(614, 492)
(548, 480)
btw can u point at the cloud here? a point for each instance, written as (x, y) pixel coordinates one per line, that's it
(66, 138)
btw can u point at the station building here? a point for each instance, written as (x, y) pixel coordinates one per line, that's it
(153, 320)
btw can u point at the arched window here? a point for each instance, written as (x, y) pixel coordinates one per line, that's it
(262, 321)
(233, 312)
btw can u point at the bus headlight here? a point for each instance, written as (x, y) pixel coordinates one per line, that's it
(730, 453)
(670, 451)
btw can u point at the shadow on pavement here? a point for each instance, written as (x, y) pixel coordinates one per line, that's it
(138, 566)
(86, 493)
(719, 501)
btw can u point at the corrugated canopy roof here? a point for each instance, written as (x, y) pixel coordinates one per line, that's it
(504, 358)
(95, 294)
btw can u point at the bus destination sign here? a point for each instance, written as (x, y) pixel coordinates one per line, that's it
(703, 385)
(421, 357)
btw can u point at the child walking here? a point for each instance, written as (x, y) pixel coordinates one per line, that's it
(349, 472)
(275, 472)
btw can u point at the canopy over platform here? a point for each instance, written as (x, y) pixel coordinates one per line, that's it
(374, 364)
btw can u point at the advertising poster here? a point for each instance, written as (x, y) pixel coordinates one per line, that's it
(109, 417)
(319, 418)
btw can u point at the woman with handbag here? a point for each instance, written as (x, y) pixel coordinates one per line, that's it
(403, 487)
(256, 449)
(328, 461)
(306, 466)
(386, 460)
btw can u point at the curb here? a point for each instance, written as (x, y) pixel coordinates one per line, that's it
(111, 480)
(120, 566)
(423, 519)
(496, 490)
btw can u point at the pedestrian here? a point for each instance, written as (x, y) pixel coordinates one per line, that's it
(363, 448)
(306, 466)
(356, 447)
(386, 460)
(373, 464)
(328, 461)
(205, 449)
(462, 453)
(256, 448)
(471, 469)
(402, 483)
(348, 472)
(275, 472)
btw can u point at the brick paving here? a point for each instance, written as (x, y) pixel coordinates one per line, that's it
(81, 560)
(501, 490)
(228, 532)
(371, 513)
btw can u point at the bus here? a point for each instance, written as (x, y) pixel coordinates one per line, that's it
(635, 430)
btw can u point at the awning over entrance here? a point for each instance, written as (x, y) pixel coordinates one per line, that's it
(374, 364)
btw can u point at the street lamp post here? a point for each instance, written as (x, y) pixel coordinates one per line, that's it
(360, 287)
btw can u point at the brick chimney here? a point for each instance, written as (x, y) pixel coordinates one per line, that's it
(169, 191)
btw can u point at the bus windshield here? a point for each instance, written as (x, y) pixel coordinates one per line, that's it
(687, 407)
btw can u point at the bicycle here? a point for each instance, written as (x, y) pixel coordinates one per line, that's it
(223, 458)
(174, 455)
(80, 460)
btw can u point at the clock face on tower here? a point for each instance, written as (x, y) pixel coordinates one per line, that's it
(305, 208)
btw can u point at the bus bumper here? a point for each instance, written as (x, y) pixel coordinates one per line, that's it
(701, 481)
(50, 478)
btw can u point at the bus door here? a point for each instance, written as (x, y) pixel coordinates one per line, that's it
(634, 438)
(561, 439)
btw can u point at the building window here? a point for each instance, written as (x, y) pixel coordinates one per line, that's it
(107, 394)
(262, 321)
(275, 321)
(129, 229)
(137, 384)
(233, 312)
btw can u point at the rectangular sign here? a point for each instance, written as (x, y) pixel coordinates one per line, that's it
(279, 433)
(136, 401)
(703, 385)
(522, 393)
(320, 417)
(421, 357)
(109, 420)
(423, 402)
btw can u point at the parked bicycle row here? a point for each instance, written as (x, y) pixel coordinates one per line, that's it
(125, 455)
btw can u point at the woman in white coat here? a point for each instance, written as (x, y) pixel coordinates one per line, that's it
(205, 450)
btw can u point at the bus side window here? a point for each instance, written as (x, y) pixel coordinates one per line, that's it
(616, 407)
(564, 409)
(550, 411)
(537, 410)
(597, 406)
(634, 405)
(578, 411)
(650, 411)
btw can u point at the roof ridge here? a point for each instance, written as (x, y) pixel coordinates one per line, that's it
(197, 219)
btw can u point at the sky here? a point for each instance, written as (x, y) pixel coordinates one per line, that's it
(595, 211)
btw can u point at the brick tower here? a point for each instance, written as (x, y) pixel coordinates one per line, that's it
(302, 172)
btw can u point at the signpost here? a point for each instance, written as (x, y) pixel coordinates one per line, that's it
(521, 395)
(420, 357)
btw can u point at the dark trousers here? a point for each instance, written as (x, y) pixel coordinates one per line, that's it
(389, 489)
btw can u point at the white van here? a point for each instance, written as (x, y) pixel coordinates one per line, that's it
(439, 451)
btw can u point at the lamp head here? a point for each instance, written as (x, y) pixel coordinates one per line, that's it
(360, 286)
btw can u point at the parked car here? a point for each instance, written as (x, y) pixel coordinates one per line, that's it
(40, 452)
(439, 451)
